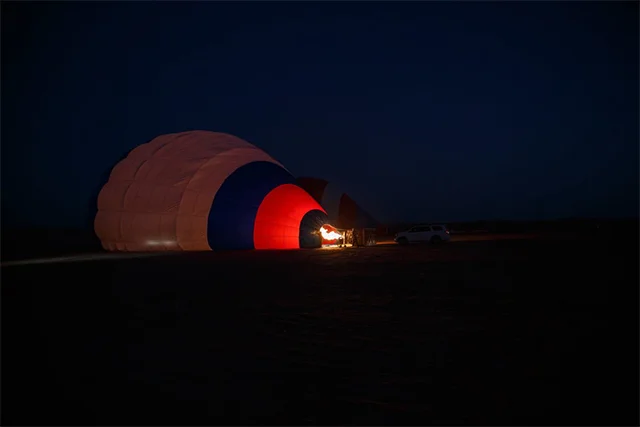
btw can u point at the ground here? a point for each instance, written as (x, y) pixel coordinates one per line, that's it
(484, 331)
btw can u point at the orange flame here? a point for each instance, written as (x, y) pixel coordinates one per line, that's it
(329, 235)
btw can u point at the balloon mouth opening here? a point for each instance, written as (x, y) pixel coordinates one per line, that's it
(286, 219)
(310, 225)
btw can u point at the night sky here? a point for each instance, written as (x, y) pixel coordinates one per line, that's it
(423, 111)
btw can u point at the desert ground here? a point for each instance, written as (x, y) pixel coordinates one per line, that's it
(525, 330)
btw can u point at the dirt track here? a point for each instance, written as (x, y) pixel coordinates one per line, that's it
(533, 331)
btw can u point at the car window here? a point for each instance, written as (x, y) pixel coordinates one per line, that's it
(424, 228)
(437, 228)
(413, 230)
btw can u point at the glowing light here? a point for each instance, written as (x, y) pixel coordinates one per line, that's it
(329, 235)
(160, 242)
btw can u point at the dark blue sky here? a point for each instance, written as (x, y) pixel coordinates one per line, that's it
(451, 110)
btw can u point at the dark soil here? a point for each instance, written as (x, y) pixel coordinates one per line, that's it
(494, 332)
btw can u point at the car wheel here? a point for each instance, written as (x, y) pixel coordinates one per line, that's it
(403, 241)
(436, 239)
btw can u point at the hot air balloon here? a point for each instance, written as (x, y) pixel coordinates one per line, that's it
(202, 190)
(342, 210)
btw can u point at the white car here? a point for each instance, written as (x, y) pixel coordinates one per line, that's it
(424, 233)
